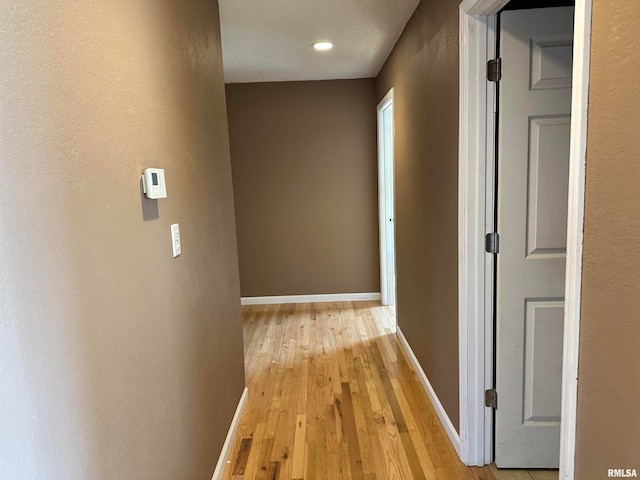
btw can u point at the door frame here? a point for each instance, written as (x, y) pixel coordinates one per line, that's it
(475, 218)
(385, 205)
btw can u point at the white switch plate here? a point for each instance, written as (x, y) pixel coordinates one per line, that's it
(175, 240)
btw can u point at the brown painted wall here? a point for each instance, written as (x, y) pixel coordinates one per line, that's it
(423, 70)
(608, 430)
(116, 360)
(305, 184)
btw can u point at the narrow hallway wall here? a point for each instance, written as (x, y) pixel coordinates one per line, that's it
(116, 360)
(423, 70)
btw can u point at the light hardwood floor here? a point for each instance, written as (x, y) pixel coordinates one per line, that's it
(331, 396)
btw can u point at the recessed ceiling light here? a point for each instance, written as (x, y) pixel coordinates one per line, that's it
(323, 45)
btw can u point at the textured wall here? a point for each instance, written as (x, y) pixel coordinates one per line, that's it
(608, 430)
(305, 183)
(116, 360)
(423, 69)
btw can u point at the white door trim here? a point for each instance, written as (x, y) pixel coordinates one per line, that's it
(476, 128)
(477, 34)
(575, 224)
(387, 288)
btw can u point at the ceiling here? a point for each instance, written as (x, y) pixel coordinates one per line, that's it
(270, 40)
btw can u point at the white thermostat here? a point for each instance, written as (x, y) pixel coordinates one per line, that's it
(153, 184)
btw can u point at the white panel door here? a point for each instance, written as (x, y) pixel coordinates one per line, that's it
(533, 172)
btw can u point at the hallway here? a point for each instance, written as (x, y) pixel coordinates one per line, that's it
(331, 396)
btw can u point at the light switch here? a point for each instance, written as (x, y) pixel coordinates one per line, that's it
(175, 240)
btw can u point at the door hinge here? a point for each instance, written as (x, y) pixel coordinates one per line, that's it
(491, 398)
(492, 242)
(494, 70)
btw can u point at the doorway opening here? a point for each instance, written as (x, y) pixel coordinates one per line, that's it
(477, 102)
(386, 201)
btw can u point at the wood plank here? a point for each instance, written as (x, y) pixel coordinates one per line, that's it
(297, 460)
(353, 443)
(509, 474)
(397, 465)
(322, 456)
(420, 453)
(264, 463)
(364, 420)
(310, 460)
(243, 456)
(251, 468)
(544, 474)
(274, 471)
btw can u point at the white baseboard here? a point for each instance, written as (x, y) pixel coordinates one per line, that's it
(320, 298)
(442, 414)
(228, 442)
